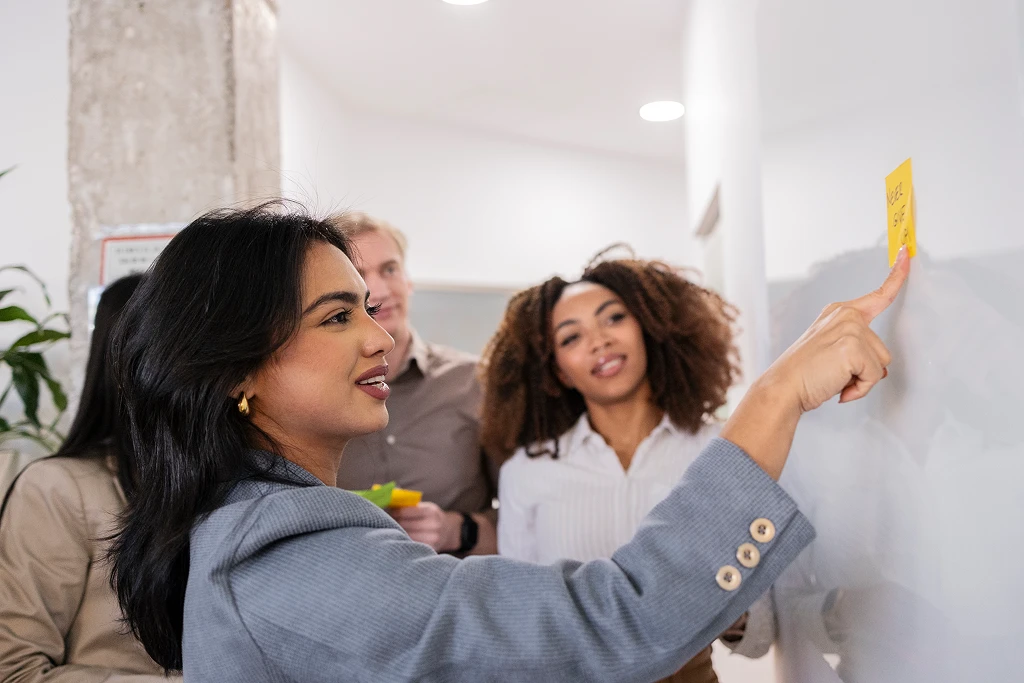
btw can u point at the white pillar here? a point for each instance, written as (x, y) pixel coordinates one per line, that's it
(723, 149)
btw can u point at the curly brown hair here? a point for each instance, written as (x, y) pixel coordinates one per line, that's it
(688, 331)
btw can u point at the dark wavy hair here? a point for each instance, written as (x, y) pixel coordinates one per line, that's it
(688, 333)
(222, 297)
(95, 430)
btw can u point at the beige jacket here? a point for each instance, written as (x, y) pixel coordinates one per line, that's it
(59, 618)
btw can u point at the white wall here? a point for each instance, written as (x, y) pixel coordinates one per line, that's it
(34, 212)
(479, 209)
(836, 125)
(35, 223)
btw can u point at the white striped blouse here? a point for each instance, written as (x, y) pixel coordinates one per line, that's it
(584, 505)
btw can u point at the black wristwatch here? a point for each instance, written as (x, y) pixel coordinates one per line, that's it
(470, 532)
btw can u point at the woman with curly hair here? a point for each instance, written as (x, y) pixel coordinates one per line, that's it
(599, 394)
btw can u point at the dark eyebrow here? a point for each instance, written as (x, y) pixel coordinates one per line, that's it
(350, 298)
(600, 308)
(605, 305)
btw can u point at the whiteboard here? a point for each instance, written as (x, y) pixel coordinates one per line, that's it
(917, 492)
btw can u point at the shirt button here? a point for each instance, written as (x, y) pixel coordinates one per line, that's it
(390, 439)
(748, 555)
(729, 578)
(762, 530)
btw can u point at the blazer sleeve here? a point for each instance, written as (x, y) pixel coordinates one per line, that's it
(517, 536)
(367, 601)
(44, 565)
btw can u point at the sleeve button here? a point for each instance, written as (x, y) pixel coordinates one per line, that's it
(748, 555)
(729, 578)
(762, 530)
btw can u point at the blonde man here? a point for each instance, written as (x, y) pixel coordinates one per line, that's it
(431, 443)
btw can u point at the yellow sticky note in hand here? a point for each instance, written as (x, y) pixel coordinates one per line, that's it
(404, 498)
(390, 496)
(899, 193)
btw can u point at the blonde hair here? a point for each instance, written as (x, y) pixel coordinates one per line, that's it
(356, 223)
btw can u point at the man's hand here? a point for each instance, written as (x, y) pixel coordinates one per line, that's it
(428, 523)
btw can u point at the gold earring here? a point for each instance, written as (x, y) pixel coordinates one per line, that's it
(243, 405)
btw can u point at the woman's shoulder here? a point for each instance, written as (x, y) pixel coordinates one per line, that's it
(259, 513)
(78, 494)
(534, 471)
(517, 462)
(709, 431)
(65, 474)
(540, 455)
(84, 487)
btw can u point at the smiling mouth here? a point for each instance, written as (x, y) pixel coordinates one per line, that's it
(374, 377)
(373, 382)
(608, 366)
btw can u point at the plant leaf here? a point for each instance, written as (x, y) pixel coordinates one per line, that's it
(33, 360)
(60, 399)
(39, 336)
(16, 313)
(5, 292)
(39, 281)
(5, 426)
(6, 171)
(26, 383)
(32, 363)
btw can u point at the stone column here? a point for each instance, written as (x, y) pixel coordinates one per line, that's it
(173, 110)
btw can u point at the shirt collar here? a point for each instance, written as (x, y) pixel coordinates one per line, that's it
(419, 353)
(582, 434)
(281, 468)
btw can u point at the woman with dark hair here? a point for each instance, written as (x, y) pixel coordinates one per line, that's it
(59, 617)
(599, 394)
(249, 358)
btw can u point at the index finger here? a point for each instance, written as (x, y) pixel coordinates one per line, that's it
(871, 305)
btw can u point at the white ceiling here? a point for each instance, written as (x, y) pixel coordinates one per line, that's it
(570, 72)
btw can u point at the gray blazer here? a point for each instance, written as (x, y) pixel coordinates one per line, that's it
(303, 582)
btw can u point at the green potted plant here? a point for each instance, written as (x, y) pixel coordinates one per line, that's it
(24, 371)
(27, 371)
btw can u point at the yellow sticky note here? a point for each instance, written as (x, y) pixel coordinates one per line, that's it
(390, 496)
(899, 194)
(404, 498)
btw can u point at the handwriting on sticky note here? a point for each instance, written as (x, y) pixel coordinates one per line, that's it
(899, 194)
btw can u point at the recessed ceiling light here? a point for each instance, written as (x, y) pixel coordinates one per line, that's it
(661, 111)
(465, 2)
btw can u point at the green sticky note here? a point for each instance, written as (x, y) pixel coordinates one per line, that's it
(379, 495)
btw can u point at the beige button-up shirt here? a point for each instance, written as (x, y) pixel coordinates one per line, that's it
(432, 441)
(59, 618)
